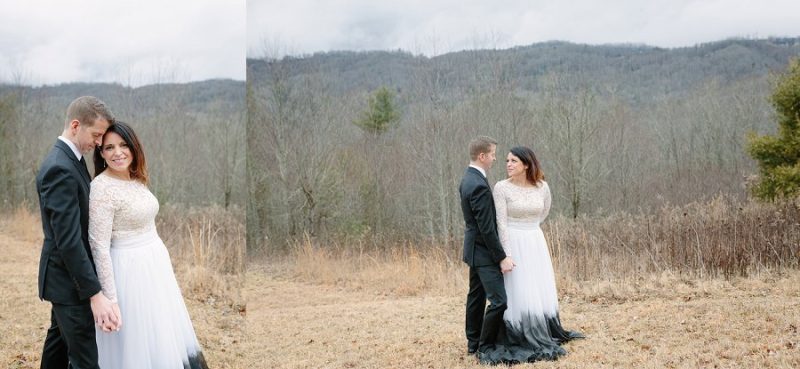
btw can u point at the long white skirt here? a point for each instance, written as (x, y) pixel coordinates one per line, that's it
(531, 286)
(533, 328)
(156, 330)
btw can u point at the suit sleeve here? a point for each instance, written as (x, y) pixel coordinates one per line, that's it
(59, 194)
(481, 202)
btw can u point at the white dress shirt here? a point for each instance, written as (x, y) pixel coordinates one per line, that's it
(71, 146)
(479, 169)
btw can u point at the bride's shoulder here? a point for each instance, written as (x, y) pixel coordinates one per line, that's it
(543, 185)
(101, 182)
(501, 184)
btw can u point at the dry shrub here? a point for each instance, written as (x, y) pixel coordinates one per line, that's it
(622, 255)
(723, 237)
(207, 247)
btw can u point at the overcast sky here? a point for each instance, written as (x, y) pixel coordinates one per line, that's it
(136, 42)
(435, 27)
(133, 42)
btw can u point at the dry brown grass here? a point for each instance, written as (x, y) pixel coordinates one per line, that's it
(209, 244)
(404, 270)
(22, 223)
(24, 319)
(717, 287)
(659, 321)
(723, 237)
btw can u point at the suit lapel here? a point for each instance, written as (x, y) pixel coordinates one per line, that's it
(81, 167)
(478, 173)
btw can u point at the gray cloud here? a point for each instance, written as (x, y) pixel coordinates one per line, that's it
(126, 41)
(438, 26)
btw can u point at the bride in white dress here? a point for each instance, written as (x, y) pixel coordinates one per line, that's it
(533, 327)
(133, 264)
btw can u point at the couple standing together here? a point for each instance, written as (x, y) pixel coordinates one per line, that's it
(102, 259)
(509, 261)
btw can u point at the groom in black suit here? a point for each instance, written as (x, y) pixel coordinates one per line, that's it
(67, 276)
(482, 250)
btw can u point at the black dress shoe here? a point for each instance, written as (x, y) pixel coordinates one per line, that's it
(472, 349)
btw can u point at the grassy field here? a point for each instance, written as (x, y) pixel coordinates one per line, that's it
(660, 322)
(24, 319)
(380, 313)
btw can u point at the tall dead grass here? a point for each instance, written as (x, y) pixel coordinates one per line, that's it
(206, 245)
(721, 238)
(404, 269)
(22, 223)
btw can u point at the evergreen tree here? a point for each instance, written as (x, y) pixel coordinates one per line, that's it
(380, 115)
(779, 156)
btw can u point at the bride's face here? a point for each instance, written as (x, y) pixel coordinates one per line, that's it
(514, 166)
(116, 153)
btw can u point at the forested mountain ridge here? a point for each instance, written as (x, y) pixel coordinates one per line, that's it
(631, 69)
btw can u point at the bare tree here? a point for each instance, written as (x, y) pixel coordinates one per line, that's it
(574, 120)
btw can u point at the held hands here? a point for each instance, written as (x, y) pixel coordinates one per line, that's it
(115, 308)
(106, 313)
(506, 265)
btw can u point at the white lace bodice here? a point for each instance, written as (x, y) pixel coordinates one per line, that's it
(520, 204)
(117, 209)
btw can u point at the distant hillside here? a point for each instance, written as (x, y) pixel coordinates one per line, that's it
(229, 95)
(635, 72)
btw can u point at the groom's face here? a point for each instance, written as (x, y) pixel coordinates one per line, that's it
(88, 137)
(488, 158)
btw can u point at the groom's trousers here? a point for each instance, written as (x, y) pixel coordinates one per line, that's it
(485, 324)
(70, 342)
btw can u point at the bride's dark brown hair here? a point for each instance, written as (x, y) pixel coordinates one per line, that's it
(534, 173)
(138, 168)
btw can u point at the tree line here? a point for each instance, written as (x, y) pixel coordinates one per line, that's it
(613, 136)
(193, 136)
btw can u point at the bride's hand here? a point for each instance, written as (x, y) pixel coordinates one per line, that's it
(507, 264)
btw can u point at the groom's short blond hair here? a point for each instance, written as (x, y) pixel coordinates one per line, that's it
(480, 145)
(87, 109)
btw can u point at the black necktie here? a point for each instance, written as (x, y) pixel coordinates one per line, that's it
(85, 169)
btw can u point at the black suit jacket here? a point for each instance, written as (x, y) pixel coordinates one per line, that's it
(66, 268)
(481, 242)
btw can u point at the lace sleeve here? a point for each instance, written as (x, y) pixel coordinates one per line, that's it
(501, 210)
(101, 218)
(547, 201)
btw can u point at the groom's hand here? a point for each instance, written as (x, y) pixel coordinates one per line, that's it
(103, 311)
(506, 265)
